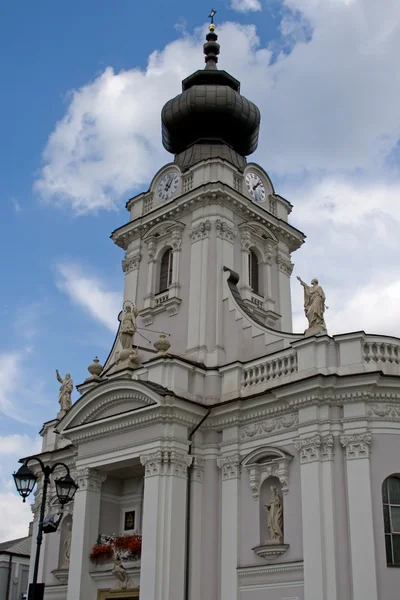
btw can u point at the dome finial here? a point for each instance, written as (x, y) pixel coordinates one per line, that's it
(211, 47)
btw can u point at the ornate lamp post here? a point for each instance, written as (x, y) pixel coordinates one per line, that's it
(25, 480)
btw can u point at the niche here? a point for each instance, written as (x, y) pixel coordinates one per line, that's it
(64, 554)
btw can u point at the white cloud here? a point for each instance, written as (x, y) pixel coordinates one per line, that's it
(246, 5)
(329, 101)
(16, 205)
(15, 514)
(17, 388)
(90, 293)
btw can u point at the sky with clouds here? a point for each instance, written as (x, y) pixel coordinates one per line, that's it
(84, 84)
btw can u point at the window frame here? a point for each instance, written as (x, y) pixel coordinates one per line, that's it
(388, 505)
(254, 260)
(168, 274)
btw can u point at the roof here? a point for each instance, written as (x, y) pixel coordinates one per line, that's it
(20, 546)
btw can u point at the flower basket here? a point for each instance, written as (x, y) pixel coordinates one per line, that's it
(123, 547)
(101, 553)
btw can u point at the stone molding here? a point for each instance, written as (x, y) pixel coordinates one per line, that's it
(284, 264)
(230, 466)
(114, 399)
(384, 412)
(260, 428)
(88, 479)
(166, 462)
(131, 261)
(276, 464)
(220, 193)
(200, 232)
(198, 468)
(357, 445)
(167, 233)
(225, 231)
(315, 448)
(270, 569)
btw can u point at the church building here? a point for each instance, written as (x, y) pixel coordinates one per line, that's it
(230, 459)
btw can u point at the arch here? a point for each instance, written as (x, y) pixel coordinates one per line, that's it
(266, 462)
(391, 519)
(166, 270)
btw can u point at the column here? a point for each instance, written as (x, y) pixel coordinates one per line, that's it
(197, 518)
(130, 266)
(85, 529)
(362, 544)
(269, 254)
(151, 251)
(320, 572)
(164, 521)
(230, 473)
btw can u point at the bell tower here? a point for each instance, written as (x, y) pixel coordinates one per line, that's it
(210, 225)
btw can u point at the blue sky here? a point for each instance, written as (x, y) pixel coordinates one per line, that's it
(83, 84)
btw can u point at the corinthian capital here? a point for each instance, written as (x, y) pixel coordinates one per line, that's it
(356, 445)
(89, 479)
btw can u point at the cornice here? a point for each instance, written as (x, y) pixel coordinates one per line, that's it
(211, 192)
(270, 569)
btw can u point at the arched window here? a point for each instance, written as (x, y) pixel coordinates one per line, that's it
(254, 272)
(166, 270)
(391, 517)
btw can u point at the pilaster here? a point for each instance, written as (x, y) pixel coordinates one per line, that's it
(362, 544)
(319, 547)
(130, 266)
(164, 520)
(230, 476)
(285, 268)
(85, 530)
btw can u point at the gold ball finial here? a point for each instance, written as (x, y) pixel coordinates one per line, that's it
(211, 27)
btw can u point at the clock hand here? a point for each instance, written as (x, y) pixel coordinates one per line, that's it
(256, 186)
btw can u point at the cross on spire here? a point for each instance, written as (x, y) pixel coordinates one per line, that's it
(212, 15)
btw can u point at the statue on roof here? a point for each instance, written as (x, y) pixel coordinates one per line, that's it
(127, 332)
(314, 307)
(64, 396)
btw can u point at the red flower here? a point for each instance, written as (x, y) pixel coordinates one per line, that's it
(101, 552)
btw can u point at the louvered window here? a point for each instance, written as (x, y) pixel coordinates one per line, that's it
(391, 519)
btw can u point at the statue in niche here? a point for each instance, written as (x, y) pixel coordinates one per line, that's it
(64, 396)
(275, 517)
(67, 546)
(314, 307)
(127, 332)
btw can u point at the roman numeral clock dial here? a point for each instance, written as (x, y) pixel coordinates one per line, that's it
(168, 186)
(255, 186)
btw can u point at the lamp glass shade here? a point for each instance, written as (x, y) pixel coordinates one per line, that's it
(65, 489)
(25, 481)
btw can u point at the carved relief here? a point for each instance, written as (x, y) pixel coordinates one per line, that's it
(198, 468)
(260, 428)
(357, 445)
(225, 231)
(390, 411)
(200, 231)
(89, 479)
(166, 462)
(309, 448)
(230, 466)
(264, 463)
(176, 239)
(245, 239)
(284, 264)
(151, 248)
(131, 262)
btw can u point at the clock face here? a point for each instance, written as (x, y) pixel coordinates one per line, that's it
(168, 186)
(255, 186)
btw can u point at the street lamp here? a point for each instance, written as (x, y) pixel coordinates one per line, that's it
(25, 480)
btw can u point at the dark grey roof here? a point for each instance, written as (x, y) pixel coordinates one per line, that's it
(19, 546)
(210, 111)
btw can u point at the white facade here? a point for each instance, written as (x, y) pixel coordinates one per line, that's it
(318, 417)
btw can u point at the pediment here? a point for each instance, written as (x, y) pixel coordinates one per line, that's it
(108, 402)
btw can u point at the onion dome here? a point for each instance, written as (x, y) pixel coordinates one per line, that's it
(210, 118)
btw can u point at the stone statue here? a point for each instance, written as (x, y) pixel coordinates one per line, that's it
(67, 545)
(314, 307)
(275, 517)
(127, 332)
(121, 574)
(64, 397)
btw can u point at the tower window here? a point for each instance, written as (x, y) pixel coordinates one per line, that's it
(166, 270)
(391, 518)
(254, 272)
